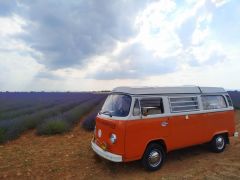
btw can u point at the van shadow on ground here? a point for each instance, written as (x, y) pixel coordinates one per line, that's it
(173, 158)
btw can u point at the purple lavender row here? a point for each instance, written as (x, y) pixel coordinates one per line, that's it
(15, 101)
(64, 122)
(89, 122)
(11, 129)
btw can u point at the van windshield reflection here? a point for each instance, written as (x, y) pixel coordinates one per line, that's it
(117, 105)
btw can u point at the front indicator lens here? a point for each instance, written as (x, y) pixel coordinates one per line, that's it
(113, 138)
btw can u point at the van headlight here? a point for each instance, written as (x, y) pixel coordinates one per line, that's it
(99, 132)
(113, 138)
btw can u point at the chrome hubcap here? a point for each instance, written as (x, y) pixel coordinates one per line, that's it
(154, 158)
(220, 142)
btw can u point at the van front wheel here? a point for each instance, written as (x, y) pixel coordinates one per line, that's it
(153, 157)
(218, 143)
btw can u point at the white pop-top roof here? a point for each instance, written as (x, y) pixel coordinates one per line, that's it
(169, 90)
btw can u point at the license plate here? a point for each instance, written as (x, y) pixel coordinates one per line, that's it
(103, 147)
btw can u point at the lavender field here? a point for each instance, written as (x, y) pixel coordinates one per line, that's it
(48, 113)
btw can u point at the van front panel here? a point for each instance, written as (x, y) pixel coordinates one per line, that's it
(104, 128)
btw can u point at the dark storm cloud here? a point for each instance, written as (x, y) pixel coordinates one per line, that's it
(142, 63)
(67, 33)
(47, 75)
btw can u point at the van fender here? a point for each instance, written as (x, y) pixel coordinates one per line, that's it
(160, 141)
(225, 132)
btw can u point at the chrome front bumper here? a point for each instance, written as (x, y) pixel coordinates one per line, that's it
(105, 154)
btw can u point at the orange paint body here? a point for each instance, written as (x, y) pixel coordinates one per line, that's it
(133, 136)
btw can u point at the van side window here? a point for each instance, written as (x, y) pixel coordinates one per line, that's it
(136, 108)
(183, 104)
(152, 105)
(229, 100)
(213, 102)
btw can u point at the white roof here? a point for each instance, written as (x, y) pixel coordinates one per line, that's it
(169, 90)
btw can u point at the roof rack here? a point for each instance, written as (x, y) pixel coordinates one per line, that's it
(169, 90)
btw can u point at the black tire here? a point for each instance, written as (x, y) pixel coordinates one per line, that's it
(218, 143)
(158, 155)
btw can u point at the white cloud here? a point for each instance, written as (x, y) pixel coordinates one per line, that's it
(187, 11)
(156, 30)
(16, 71)
(202, 30)
(223, 75)
(17, 67)
(11, 25)
(219, 3)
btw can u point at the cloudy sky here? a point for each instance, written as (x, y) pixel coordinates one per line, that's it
(60, 45)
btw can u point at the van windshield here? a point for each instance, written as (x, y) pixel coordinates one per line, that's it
(117, 105)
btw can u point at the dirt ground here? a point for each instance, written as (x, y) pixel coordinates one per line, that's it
(69, 156)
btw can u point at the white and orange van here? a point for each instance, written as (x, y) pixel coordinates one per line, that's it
(147, 123)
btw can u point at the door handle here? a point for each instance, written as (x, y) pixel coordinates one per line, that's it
(164, 124)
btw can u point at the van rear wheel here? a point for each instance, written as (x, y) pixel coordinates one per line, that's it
(153, 157)
(218, 143)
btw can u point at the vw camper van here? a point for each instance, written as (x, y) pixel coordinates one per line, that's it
(147, 123)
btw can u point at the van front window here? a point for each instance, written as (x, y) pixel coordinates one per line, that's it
(117, 105)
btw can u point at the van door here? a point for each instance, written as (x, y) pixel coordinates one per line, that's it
(154, 114)
(150, 124)
(188, 126)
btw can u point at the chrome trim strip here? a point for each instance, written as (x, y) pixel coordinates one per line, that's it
(187, 113)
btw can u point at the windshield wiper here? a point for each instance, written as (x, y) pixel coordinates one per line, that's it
(107, 113)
